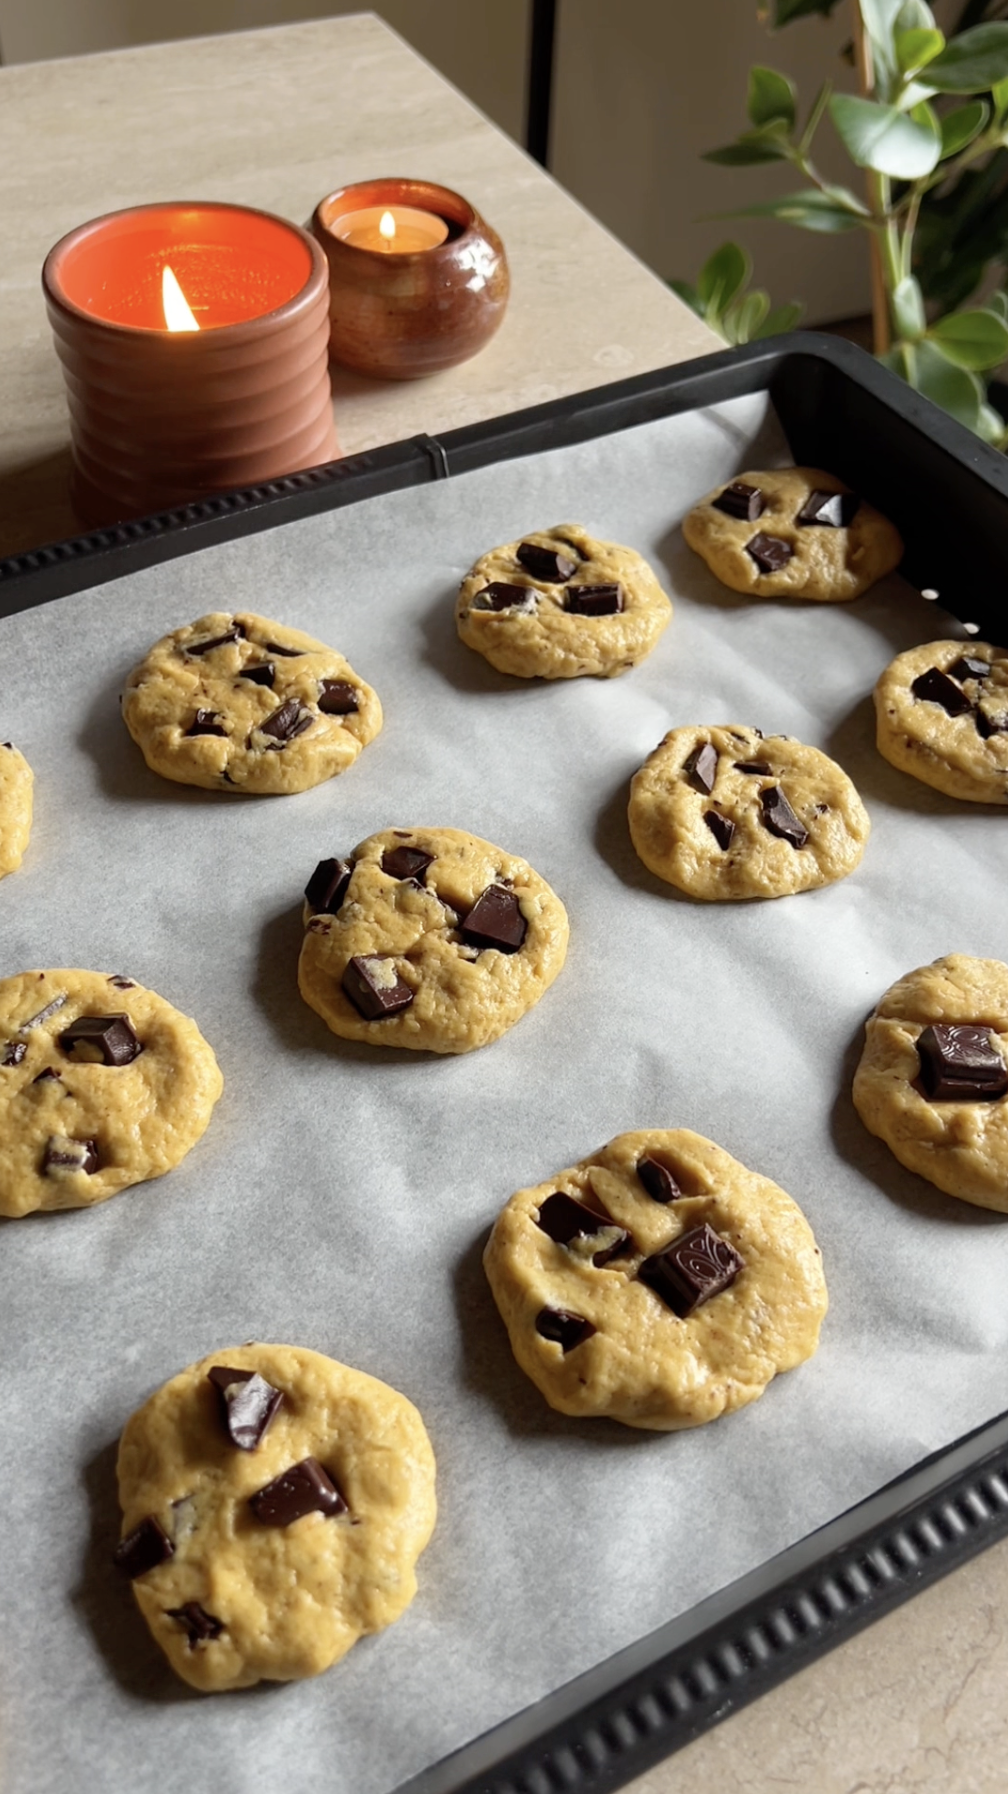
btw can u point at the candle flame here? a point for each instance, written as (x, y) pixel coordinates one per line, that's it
(176, 309)
(386, 224)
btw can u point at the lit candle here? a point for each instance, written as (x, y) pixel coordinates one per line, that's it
(392, 230)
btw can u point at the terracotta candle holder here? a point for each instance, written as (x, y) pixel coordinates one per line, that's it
(401, 314)
(233, 393)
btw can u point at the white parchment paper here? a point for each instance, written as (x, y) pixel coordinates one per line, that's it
(341, 1196)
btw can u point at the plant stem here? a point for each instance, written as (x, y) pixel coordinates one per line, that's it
(879, 197)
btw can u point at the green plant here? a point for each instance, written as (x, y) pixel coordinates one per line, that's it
(722, 297)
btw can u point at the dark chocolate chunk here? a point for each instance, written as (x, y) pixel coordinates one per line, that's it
(263, 674)
(567, 1329)
(757, 768)
(143, 1549)
(337, 697)
(43, 1015)
(700, 767)
(374, 987)
(657, 1180)
(303, 1489)
(721, 827)
(13, 1052)
(545, 564)
(291, 719)
(406, 862)
(327, 886)
(834, 509)
(109, 1039)
(741, 500)
(564, 1219)
(990, 723)
(593, 601)
(206, 722)
(935, 687)
(63, 1154)
(769, 552)
(498, 595)
(698, 1265)
(495, 920)
(968, 666)
(960, 1064)
(288, 653)
(47, 1075)
(199, 1625)
(235, 634)
(121, 982)
(248, 1403)
(778, 816)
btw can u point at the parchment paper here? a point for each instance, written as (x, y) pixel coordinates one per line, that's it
(341, 1196)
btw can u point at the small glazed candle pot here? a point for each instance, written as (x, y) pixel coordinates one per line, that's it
(181, 384)
(399, 314)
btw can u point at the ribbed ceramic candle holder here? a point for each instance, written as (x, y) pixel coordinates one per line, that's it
(159, 416)
(402, 315)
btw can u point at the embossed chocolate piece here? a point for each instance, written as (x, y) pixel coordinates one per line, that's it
(101, 1040)
(754, 768)
(199, 1625)
(698, 1265)
(545, 564)
(960, 1064)
(989, 721)
(143, 1549)
(327, 885)
(565, 1219)
(770, 553)
(741, 500)
(969, 666)
(374, 987)
(121, 982)
(499, 595)
(35, 1021)
(721, 827)
(13, 1052)
(834, 509)
(263, 674)
(291, 719)
(248, 1403)
(935, 687)
(593, 601)
(406, 862)
(778, 817)
(337, 697)
(235, 634)
(567, 1329)
(657, 1180)
(63, 1156)
(288, 653)
(700, 767)
(303, 1489)
(206, 722)
(495, 920)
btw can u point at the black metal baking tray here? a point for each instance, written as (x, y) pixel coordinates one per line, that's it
(948, 494)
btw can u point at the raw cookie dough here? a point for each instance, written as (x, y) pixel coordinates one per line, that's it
(942, 715)
(725, 812)
(278, 1587)
(443, 940)
(798, 559)
(15, 806)
(959, 1144)
(597, 1338)
(102, 1084)
(532, 633)
(240, 703)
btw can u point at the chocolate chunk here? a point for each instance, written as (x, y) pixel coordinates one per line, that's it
(206, 722)
(545, 564)
(47, 1076)
(13, 1052)
(120, 982)
(406, 862)
(303, 1489)
(63, 1155)
(498, 596)
(43, 1015)
(698, 1265)
(288, 653)
(769, 552)
(143, 1549)
(327, 886)
(935, 687)
(495, 920)
(291, 719)
(248, 1403)
(374, 987)
(757, 768)
(968, 666)
(199, 1625)
(593, 601)
(263, 674)
(657, 1180)
(235, 634)
(565, 1219)
(960, 1064)
(989, 722)
(337, 697)
(741, 500)
(567, 1329)
(700, 767)
(721, 827)
(834, 509)
(778, 816)
(108, 1039)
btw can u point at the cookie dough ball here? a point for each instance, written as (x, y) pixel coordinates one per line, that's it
(428, 938)
(942, 715)
(726, 812)
(274, 1506)
(795, 533)
(240, 703)
(933, 1077)
(558, 603)
(15, 806)
(658, 1282)
(102, 1085)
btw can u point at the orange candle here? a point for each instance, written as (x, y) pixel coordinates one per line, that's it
(391, 230)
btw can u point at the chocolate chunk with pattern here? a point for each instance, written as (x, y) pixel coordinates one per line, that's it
(935, 687)
(327, 886)
(104, 1039)
(969, 666)
(698, 1265)
(495, 920)
(43, 1015)
(754, 768)
(499, 595)
(143, 1549)
(778, 817)
(721, 827)
(741, 500)
(545, 564)
(834, 509)
(235, 634)
(593, 601)
(770, 553)
(567, 1329)
(960, 1064)
(565, 1219)
(374, 987)
(263, 674)
(63, 1155)
(406, 862)
(121, 982)
(657, 1180)
(303, 1489)
(700, 767)
(206, 722)
(337, 697)
(291, 719)
(199, 1625)
(13, 1052)
(248, 1403)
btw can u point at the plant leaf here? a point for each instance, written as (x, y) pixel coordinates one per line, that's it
(914, 49)
(786, 10)
(953, 388)
(809, 209)
(686, 293)
(778, 321)
(998, 304)
(908, 309)
(722, 277)
(913, 15)
(999, 94)
(885, 139)
(991, 426)
(750, 148)
(746, 316)
(972, 62)
(959, 128)
(771, 96)
(972, 339)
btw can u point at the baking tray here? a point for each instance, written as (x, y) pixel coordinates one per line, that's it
(948, 493)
